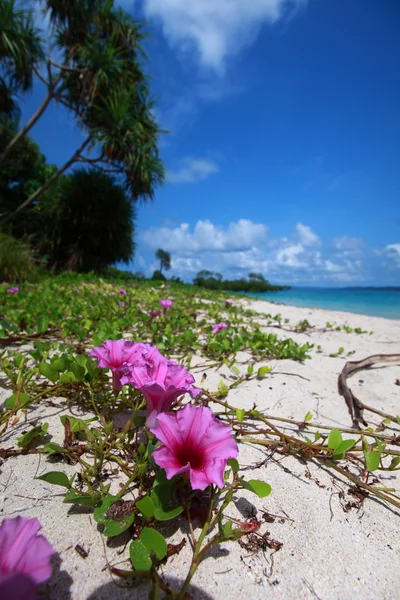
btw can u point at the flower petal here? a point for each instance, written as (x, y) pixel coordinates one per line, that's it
(17, 587)
(199, 479)
(194, 422)
(167, 459)
(167, 431)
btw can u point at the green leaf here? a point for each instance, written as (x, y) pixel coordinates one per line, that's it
(77, 370)
(140, 556)
(71, 497)
(250, 370)
(394, 463)
(262, 371)
(234, 465)
(13, 402)
(235, 370)
(18, 358)
(372, 460)
(343, 447)
(240, 413)
(58, 364)
(146, 507)
(76, 425)
(260, 488)
(308, 417)
(167, 515)
(53, 448)
(47, 371)
(113, 528)
(42, 324)
(154, 542)
(102, 508)
(227, 529)
(334, 439)
(35, 432)
(56, 478)
(67, 377)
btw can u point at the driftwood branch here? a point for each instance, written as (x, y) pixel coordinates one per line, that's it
(355, 406)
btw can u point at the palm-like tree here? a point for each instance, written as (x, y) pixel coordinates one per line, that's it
(92, 223)
(165, 259)
(101, 80)
(21, 52)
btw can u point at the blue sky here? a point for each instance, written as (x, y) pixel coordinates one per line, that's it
(284, 144)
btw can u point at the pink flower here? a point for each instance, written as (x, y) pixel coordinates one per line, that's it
(122, 292)
(219, 326)
(166, 304)
(195, 443)
(12, 290)
(121, 304)
(154, 313)
(228, 302)
(161, 381)
(119, 356)
(24, 558)
(4, 283)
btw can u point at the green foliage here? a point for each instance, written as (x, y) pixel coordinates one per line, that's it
(92, 223)
(255, 283)
(20, 52)
(22, 171)
(17, 261)
(100, 79)
(150, 546)
(158, 276)
(56, 478)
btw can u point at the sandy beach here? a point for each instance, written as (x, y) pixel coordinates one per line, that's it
(325, 544)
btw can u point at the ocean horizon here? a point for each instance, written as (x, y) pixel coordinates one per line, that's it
(370, 301)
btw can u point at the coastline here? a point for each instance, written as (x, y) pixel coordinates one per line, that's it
(377, 302)
(302, 312)
(328, 546)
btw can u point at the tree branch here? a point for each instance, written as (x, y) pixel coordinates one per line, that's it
(35, 117)
(51, 180)
(355, 406)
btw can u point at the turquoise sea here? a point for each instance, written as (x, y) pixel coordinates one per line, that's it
(376, 302)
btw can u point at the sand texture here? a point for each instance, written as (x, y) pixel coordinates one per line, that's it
(329, 550)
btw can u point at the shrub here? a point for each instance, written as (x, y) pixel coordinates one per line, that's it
(16, 260)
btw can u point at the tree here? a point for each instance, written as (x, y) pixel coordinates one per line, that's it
(24, 170)
(20, 53)
(92, 223)
(256, 277)
(100, 79)
(165, 259)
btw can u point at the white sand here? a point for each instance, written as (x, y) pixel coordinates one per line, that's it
(327, 553)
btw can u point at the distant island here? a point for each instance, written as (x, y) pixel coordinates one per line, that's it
(255, 282)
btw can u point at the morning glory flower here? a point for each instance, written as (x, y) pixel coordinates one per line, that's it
(194, 443)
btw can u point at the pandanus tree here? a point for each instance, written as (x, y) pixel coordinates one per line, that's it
(100, 80)
(20, 53)
(90, 224)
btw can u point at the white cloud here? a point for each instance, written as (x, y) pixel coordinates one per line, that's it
(393, 252)
(288, 257)
(332, 267)
(214, 30)
(193, 170)
(307, 236)
(346, 246)
(244, 246)
(206, 236)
